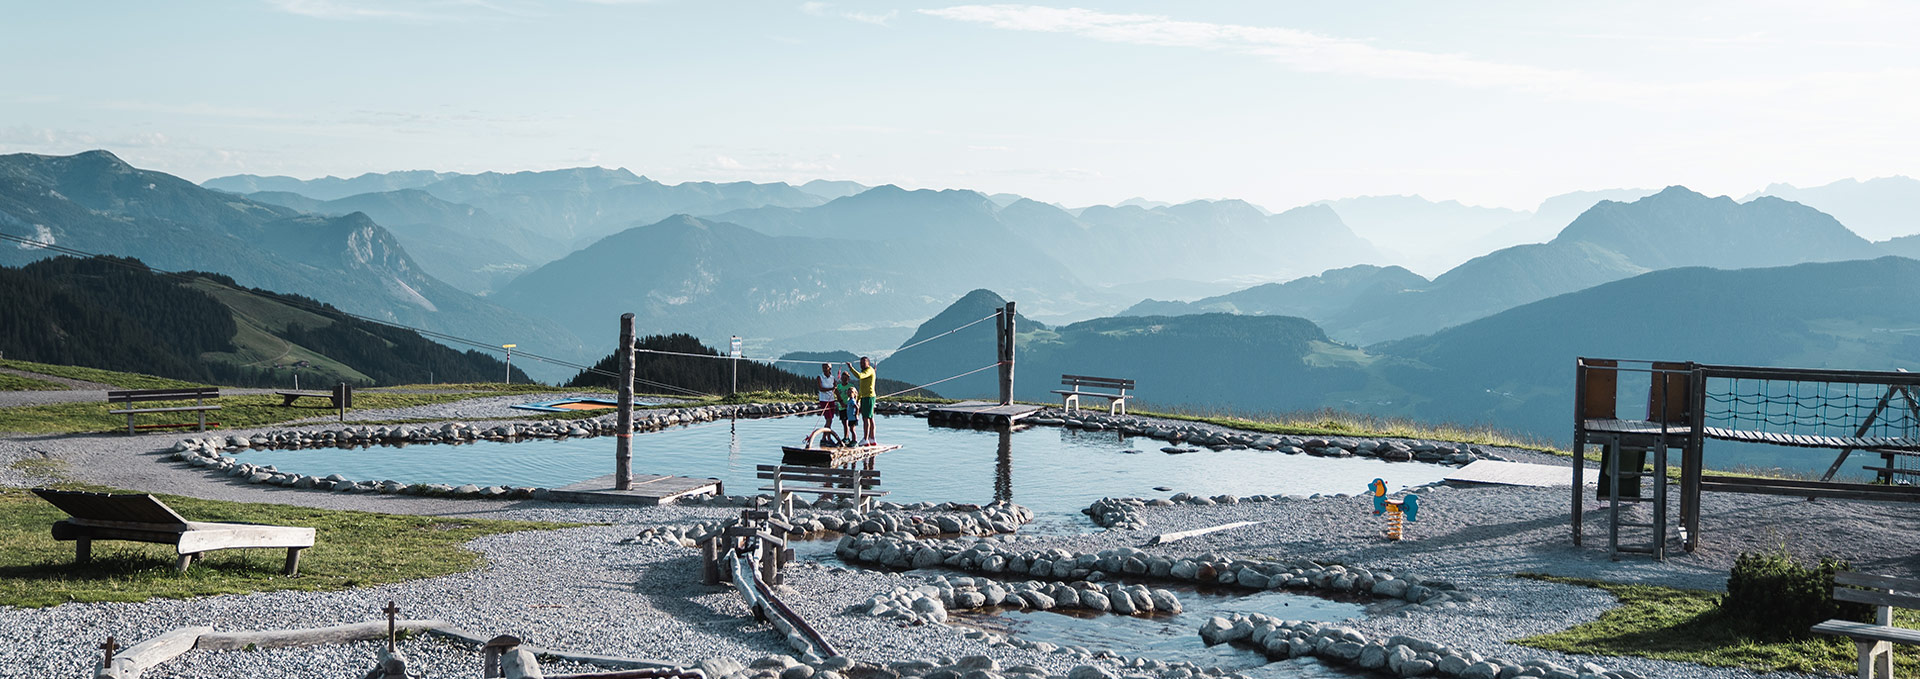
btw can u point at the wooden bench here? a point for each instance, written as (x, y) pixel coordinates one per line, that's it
(341, 396)
(823, 481)
(199, 395)
(144, 518)
(1077, 386)
(1875, 639)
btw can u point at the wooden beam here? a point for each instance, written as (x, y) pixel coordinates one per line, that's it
(1165, 538)
(337, 634)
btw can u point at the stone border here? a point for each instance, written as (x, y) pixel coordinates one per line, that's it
(928, 604)
(212, 451)
(986, 556)
(958, 519)
(1400, 656)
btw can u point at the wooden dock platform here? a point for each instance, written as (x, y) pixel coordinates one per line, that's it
(981, 412)
(646, 490)
(834, 456)
(1516, 474)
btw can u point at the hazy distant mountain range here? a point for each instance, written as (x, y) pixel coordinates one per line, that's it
(1877, 209)
(1308, 307)
(96, 203)
(1512, 369)
(1608, 242)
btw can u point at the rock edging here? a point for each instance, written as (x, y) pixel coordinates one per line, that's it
(1398, 655)
(987, 556)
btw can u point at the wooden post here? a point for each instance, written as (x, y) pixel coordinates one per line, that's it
(623, 439)
(391, 611)
(1006, 354)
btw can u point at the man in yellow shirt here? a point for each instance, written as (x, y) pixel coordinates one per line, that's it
(869, 390)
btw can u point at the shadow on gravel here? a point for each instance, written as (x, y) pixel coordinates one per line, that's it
(673, 589)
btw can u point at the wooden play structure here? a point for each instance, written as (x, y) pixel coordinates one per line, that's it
(1688, 404)
(749, 554)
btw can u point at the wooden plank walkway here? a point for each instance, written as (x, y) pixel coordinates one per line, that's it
(982, 411)
(646, 490)
(1518, 474)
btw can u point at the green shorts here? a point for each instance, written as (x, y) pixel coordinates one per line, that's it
(866, 407)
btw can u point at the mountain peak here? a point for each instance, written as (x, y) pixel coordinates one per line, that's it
(102, 156)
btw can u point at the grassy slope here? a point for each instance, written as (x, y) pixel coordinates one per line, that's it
(118, 379)
(1666, 623)
(352, 549)
(237, 411)
(255, 342)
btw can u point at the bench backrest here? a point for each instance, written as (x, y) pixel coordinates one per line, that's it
(1876, 594)
(129, 508)
(134, 395)
(1105, 382)
(867, 478)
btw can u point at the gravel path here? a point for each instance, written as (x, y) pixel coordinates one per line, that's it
(67, 382)
(582, 590)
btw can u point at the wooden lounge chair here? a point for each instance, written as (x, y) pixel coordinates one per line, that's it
(144, 518)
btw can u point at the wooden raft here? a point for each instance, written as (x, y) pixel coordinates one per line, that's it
(832, 456)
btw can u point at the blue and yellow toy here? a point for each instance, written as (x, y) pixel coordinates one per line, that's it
(1379, 490)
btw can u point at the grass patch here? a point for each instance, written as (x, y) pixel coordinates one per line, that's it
(12, 382)
(1329, 422)
(41, 467)
(236, 412)
(118, 379)
(1667, 623)
(351, 549)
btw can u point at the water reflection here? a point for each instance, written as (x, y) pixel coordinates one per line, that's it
(1059, 470)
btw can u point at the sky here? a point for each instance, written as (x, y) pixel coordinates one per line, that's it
(1279, 103)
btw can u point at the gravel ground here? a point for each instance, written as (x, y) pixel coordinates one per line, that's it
(427, 656)
(582, 590)
(67, 382)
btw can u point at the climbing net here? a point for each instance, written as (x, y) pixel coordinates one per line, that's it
(1813, 407)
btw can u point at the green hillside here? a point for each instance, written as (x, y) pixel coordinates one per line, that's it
(115, 314)
(1516, 367)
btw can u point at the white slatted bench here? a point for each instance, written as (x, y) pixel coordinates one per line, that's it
(1078, 385)
(1875, 639)
(199, 395)
(144, 518)
(823, 481)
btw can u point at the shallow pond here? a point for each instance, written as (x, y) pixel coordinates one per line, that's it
(1052, 470)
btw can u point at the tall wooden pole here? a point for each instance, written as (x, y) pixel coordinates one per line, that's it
(623, 446)
(1006, 354)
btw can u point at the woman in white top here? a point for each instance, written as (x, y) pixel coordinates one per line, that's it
(825, 393)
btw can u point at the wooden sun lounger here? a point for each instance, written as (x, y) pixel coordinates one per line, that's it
(144, 518)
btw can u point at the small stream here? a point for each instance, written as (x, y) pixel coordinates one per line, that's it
(1169, 638)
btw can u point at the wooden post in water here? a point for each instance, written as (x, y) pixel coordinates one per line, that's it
(623, 438)
(1005, 340)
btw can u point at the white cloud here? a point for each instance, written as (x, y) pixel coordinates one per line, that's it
(1804, 96)
(411, 10)
(1298, 49)
(870, 18)
(825, 9)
